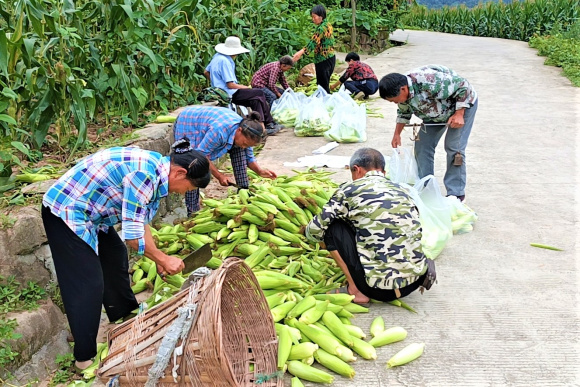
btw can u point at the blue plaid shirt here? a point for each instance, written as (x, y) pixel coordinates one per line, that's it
(116, 185)
(210, 130)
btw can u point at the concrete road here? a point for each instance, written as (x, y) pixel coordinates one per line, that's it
(503, 313)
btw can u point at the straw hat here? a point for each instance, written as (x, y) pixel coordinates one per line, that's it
(232, 46)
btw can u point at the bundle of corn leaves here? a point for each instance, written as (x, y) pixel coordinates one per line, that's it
(265, 226)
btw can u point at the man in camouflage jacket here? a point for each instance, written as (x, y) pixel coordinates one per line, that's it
(371, 228)
(444, 101)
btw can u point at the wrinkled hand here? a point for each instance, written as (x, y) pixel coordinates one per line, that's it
(456, 121)
(225, 180)
(267, 173)
(396, 141)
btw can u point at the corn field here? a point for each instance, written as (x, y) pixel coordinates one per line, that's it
(65, 64)
(517, 21)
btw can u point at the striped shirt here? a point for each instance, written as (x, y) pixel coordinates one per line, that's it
(117, 185)
(268, 75)
(210, 130)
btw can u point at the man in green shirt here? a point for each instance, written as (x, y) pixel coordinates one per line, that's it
(444, 101)
(371, 228)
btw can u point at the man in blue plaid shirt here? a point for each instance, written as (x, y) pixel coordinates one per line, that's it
(214, 131)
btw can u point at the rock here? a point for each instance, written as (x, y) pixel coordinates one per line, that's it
(44, 333)
(19, 244)
(37, 188)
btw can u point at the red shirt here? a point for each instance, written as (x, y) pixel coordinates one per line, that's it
(358, 71)
(268, 75)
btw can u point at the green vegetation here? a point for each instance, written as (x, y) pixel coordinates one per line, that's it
(67, 66)
(551, 26)
(65, 372)
(433, 4)
(14, 297)
(518, 20)
(562, 49)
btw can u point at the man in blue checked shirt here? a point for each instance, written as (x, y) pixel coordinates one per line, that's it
(214, 131)
(117, 185)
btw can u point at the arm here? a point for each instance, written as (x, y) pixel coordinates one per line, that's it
(234, 85)
(331, 211)
(284, 82)
(263, 172)
(272, 78)
(207, 76)
(138, 189)
(336, 85)
(213, 146)
(396, 141)
(221, 178)
(165, 263)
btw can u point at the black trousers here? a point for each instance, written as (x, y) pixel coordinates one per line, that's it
(254, 99)
(341, 237)
(324, 70)
(88, 281)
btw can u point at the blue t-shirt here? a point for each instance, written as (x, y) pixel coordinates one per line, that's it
(222, 70)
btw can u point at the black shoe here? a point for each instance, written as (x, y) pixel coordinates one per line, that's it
(272, 129)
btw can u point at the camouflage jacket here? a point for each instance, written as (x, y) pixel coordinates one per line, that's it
(388, 232)
(435, 92)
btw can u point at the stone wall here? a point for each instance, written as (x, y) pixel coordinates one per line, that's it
(24, 253)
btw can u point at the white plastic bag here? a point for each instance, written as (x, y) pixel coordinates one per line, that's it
(462, 217)
(313, 119)
(403, 166)
(285, 110)
(349, 124)
(434, 214)
(337, 101)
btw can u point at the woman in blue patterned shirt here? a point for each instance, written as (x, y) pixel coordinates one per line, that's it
(117, 185)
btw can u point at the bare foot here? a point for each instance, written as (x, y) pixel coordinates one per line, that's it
(83, 364)
(359, 298)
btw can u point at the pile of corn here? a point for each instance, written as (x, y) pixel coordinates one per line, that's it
(312, 86)
(265, 225)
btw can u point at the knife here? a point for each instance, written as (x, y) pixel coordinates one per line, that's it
(197, 259)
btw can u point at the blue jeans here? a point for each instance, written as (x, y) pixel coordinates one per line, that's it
(455, 141)
(367, 86)
(270, 96)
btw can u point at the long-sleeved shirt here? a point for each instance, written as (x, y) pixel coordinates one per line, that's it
(117, 185)
(321, 43)
(435, 93)
(358, 71)
(388, 232)
(210, 130)
(268, 75)
(222, 70)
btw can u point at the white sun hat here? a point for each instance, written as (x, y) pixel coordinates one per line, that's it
(232, 46)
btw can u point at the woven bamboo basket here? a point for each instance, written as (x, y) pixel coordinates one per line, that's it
(232, 334)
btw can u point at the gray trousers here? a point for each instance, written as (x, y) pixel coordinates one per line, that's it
(455, 141)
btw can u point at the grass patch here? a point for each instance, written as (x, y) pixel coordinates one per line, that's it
(562, 49)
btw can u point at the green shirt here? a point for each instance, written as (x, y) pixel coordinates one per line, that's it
(435, 93)
(321, 43)
(388, 231)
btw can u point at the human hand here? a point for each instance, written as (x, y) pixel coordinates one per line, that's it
(267, 173)
(224, 180)
(456, 120)
(396, 141)
(171, 265)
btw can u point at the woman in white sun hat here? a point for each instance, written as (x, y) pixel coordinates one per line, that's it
(221, 72)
